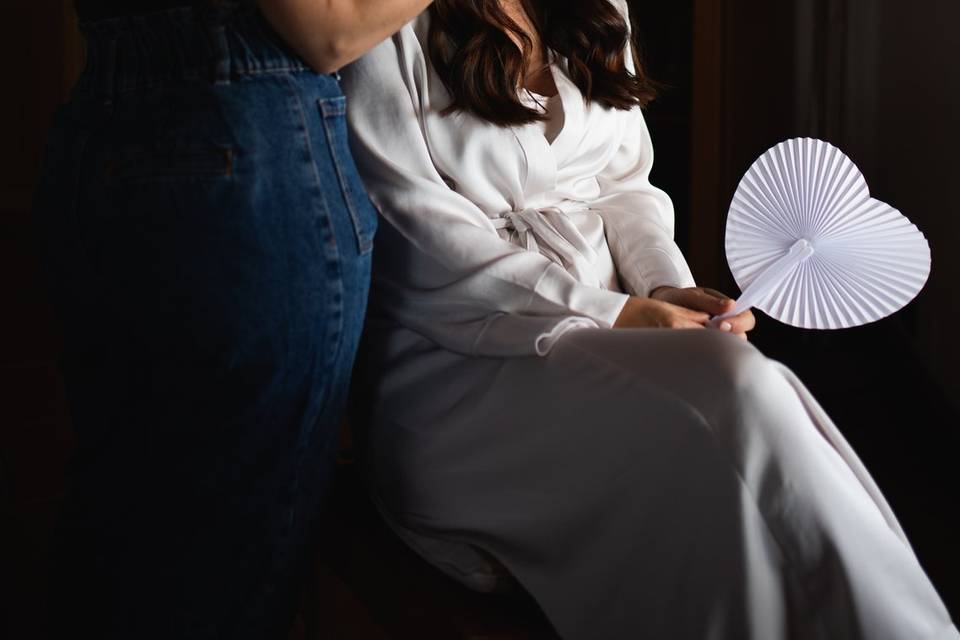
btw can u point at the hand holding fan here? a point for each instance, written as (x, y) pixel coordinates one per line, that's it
(808, 245)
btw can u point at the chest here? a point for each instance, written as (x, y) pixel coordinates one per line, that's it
(511, 167)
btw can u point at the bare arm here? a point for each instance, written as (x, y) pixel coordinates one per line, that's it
(329, 34)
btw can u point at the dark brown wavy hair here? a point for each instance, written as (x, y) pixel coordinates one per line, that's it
(483, 68)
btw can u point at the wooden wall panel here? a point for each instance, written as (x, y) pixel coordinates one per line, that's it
(40, 55)
(743, 96)
(708, 186)
(667, 43)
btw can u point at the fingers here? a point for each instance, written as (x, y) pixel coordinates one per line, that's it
(743, 322)
(714, 293)
(715, 302)
(687, 313)
(679, 322)
(701, 299)
(738, 325)
(694, 307)
(706, 300)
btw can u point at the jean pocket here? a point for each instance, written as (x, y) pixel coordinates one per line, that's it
(362, 213)
(180, 163)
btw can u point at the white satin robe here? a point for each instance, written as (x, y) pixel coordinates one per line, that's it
(638, 483)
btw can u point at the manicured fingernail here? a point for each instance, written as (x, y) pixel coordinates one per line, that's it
(726, 326)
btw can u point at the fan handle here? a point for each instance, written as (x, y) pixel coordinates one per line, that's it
(767, 281)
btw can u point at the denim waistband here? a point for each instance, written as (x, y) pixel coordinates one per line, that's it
(215, 44)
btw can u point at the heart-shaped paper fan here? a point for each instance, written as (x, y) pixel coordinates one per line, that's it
(808, 245)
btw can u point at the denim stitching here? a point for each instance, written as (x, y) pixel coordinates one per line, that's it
(335, 108)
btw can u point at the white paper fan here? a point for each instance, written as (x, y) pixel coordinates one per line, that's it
(808, 245)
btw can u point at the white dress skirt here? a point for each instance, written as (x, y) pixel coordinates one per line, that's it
(643, 484)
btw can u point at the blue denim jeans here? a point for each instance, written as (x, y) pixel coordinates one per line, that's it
(209, 242)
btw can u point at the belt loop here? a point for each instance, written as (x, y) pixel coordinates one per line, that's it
(107, 81)
(221, 54)
(213, 16)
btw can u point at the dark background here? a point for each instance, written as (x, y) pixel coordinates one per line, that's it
(878, 78)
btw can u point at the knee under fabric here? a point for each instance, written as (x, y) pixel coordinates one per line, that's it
(469, 565)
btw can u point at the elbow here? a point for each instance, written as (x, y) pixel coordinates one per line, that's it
(326, 46)
(334, 53)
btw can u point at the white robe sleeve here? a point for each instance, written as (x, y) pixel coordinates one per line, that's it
(638, 217)
(441, 269)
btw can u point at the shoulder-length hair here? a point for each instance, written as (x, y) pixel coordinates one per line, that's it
(483, 68)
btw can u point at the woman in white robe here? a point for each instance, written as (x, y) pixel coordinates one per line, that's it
(639, 483)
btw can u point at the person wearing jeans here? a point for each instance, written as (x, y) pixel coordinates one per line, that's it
(209, 242)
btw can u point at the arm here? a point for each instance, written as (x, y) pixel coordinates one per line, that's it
(639, 217)
(329, 34)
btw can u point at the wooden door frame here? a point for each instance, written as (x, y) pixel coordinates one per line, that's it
(707, 141)
(744, 102)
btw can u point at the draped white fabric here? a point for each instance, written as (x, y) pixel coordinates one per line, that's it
(638, 483)
(643, 484)
(551, 232)
(496, 236)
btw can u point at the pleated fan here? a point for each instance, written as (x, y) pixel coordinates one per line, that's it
(809, 246)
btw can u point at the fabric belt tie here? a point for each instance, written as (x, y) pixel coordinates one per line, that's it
(551, 233)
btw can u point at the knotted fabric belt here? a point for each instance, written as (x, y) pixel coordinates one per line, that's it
(551, 233)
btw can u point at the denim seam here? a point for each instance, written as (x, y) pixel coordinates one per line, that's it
(333, 251)
(199, 77)
(332, 109)
(335, 276)
(290, 510)
(270, 71)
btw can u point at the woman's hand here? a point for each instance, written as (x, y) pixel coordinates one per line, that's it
(647, 313)
(710, 302)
